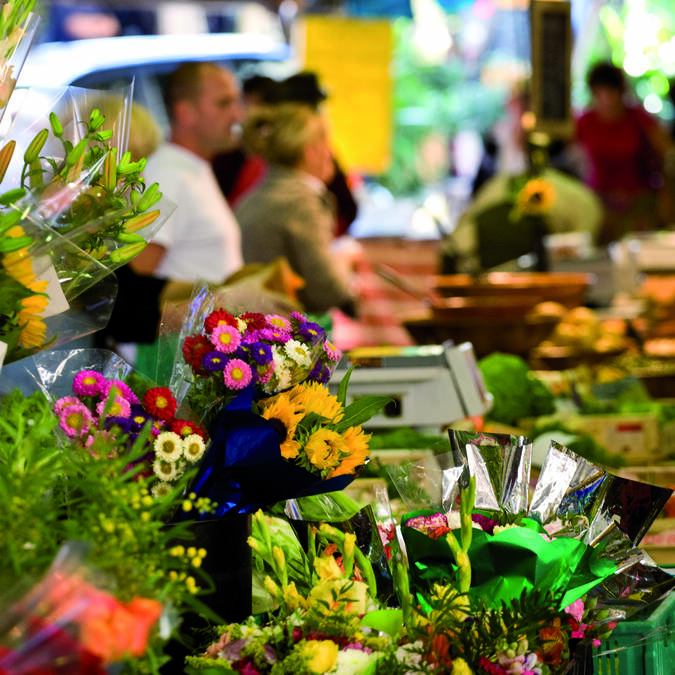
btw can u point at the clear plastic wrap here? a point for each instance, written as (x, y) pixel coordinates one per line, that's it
(67, 624)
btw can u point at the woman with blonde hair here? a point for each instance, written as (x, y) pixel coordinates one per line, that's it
(290, 213)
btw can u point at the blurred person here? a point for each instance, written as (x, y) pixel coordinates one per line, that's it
(201, 239)
(302, 87)
(623, 148)
(290, 213)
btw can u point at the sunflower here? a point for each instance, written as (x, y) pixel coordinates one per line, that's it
(535, 198)
(355, 446)
(323, 448)
(314, 397)
(285, 416)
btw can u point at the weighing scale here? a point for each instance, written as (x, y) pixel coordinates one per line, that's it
(431, 386)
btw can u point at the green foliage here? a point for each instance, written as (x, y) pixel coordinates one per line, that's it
(516, 391)
(53, 492)
(431, 99)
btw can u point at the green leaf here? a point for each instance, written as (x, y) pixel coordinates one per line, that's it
(360, 411)
(389, 621)
(342, 387)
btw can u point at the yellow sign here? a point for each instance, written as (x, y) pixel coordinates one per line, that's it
(352, 58)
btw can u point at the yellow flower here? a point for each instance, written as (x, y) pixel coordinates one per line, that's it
(332, 594)
(536, 197)
(323, 448)
(355, 445)
(291, 597)
(33, 334)
(327, 568)
(285, 417)
(315, 398)
(19, 266)
(321, 655)
(461, 667)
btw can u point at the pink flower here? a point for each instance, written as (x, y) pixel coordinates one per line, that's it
(576, 610)
(64, 402)
(122, 389)
(278, 322)
(225, 338)
(119, 407)
(332, 352)
(88, 383)
(75, 420)
(237, 374)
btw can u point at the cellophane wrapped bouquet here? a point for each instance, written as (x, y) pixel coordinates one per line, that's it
(68, 623)
(257, 382)
(73, 208)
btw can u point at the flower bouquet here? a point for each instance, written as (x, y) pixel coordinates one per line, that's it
(66, 623)
(73, 214)
(18, 24)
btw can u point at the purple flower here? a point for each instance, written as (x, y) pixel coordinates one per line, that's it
(214, 361)
(319, 373)
(261, 353)
(137, 418)
(310, 332)
(486, 524)
(116, 421)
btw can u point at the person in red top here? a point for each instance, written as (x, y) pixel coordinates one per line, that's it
(623, 148)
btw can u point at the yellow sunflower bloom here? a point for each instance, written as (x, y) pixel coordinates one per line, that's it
(323, 448)
(315, 398)
(18, 266)
(355, 445)
(536, 197)
(33, 333)
(285, 416)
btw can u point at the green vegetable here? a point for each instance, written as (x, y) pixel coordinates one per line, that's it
(517, 393)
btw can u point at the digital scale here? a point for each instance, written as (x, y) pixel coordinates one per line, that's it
(431, 386)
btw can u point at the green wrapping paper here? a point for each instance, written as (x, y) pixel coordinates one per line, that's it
(509, 562)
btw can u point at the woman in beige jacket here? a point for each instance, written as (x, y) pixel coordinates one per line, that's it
(290, 213)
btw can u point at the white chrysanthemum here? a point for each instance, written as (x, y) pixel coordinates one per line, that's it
(165, 470)
(281, 379)
(169, 446)
(298, 352)
(193, 447)
(161, 489)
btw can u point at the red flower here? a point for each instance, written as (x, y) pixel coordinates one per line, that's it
(185, 428)
(160, 403)
(489, 667)
(254, 320)
(219, 318)
(195, 348)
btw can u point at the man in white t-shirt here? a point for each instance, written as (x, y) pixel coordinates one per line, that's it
(201, 239)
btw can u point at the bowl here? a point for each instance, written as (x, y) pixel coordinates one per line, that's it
(484, 307)
(488, 334)
(568, 289)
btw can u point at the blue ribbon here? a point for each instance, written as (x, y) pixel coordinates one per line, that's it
(243, 470)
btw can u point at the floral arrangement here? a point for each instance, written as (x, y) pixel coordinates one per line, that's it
(268, 351)
(65, 620)
(103, 407)
(53, 496)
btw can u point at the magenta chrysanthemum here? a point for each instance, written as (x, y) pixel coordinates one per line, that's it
(274, 335)
(118, 407)
(121, 389)
(75, 420)
(332, 352)
(237, 374)
(278, 322)
(225, 338)
(64, 402)
(88, 383)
